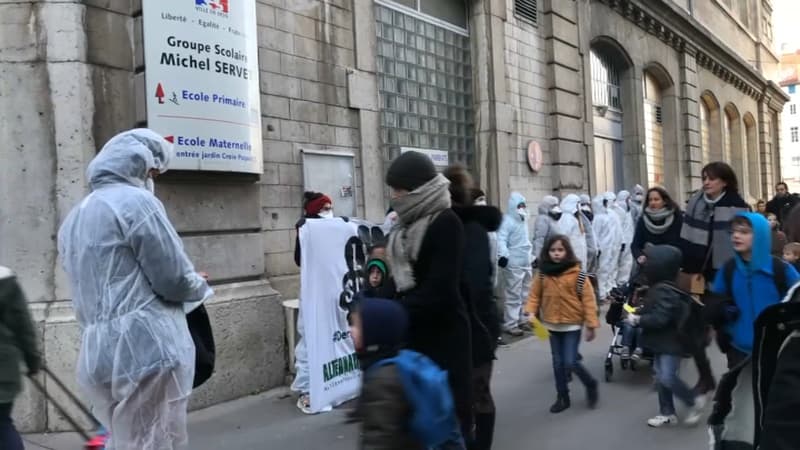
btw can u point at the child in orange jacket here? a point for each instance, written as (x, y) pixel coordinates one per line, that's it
(563, 299)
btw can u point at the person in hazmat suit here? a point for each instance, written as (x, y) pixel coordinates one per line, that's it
(637, 203)
(610, 202)
(623, 210)
(572, 226)
(131, 283)
(587, 216)
(607, 231)
(546, 223)
(514, 259)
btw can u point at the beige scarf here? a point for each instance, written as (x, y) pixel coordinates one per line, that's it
(415, 211)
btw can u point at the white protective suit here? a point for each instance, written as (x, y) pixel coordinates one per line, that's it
(628, 229)
(586, 215)
(573, 227)
(546, 224)
(637, 203)
(130, 280)
(514, 244)
(609, 239)
(610, 199)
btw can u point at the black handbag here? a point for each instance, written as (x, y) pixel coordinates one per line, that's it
(205, 350)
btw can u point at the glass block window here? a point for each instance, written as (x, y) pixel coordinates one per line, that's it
(425, 85)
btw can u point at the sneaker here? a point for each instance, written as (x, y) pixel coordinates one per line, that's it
(526, 327)
(700, 401)
(625, 353)
(637, 354)
(515, 332)
(693, 416)
(501, 342)
(660, 421)
(304, 404)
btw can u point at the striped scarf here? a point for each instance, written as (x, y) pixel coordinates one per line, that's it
(708, 224)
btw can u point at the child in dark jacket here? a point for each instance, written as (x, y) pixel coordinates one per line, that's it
(385, 408)
(379, 284)
(791, 254)
(17, 344)
(664, 312)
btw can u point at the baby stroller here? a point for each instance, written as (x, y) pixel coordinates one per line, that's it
(627, 295)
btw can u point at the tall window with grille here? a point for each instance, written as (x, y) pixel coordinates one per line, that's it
(653, 130)
(424, 70)
(605, 82)
(705, 133)
(793, 134)
(726, 138)
(792, 109)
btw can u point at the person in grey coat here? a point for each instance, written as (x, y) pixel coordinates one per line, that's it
(546, 223)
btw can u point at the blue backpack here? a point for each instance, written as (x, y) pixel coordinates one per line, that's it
(433, 419)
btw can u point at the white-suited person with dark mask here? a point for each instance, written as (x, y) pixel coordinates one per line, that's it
(131, 280)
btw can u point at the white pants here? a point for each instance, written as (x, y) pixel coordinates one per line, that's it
(625, 266)
(516, 282)
(146, 414)
(301, 381)
(607, 271)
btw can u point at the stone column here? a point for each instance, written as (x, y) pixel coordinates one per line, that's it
(690, 121)
(493, 114)
(362, 94)
(566, 122)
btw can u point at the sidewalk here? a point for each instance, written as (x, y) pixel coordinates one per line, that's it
(269, 420)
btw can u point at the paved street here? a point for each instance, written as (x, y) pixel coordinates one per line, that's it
(524, 391)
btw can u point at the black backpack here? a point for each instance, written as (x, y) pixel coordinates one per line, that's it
(778, 275)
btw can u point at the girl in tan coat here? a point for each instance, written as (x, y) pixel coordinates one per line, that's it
(563, 299)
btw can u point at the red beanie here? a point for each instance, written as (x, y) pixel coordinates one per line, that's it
(314, 206)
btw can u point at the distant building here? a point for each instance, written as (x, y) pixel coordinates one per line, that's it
(790, 133)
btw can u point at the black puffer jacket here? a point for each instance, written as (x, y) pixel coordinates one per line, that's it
(665, 306)
(477, 286)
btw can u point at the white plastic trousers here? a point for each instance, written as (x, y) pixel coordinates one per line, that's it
(625, 266)
(607, 271)
(146, 415)
(516, 282)
(301, 381)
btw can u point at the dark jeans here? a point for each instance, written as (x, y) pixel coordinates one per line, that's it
(9, 437)
(564, 348)
(669, 383)
(631, 335)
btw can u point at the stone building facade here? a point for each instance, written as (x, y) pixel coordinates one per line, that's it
(614, 92)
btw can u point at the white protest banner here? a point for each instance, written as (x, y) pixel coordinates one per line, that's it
(201, 76)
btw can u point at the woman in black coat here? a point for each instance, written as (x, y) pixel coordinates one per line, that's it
(477, 289)
(425, 253)
(660, 223)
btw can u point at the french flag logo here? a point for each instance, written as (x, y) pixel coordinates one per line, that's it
(216, 5)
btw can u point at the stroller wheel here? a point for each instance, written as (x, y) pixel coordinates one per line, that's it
(609, 372)
(634, 366)
(624, 363)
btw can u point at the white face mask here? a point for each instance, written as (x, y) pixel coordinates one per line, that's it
(480, 202)
(523, 212)
(326, 215)
(150, 185)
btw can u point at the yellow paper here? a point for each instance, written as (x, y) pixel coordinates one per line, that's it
(628, 308)
(538, 329)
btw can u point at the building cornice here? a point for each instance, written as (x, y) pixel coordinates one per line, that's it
(684, 33)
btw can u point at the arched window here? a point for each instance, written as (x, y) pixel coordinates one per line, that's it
(751, 156)
(705, 132)
(605, 81)
(733, 148)
(712, 142)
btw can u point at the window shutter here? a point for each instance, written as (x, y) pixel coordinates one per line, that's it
(527, 10)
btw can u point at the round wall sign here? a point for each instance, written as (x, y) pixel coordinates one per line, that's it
(535, 160)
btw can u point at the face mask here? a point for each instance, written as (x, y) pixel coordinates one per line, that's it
(150, 185)
(480, 202)
(555, 215)
(586, 208)
(523, 212)
(326, 215)
(638, 198)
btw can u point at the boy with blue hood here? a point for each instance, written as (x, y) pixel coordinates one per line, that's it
(752, 283)
(514, 258)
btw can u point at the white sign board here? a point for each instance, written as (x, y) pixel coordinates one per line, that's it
(201, 62)
(440, 158)
(332, 258)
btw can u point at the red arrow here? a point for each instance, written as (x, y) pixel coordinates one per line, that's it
(160, 94)
(170, 139)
